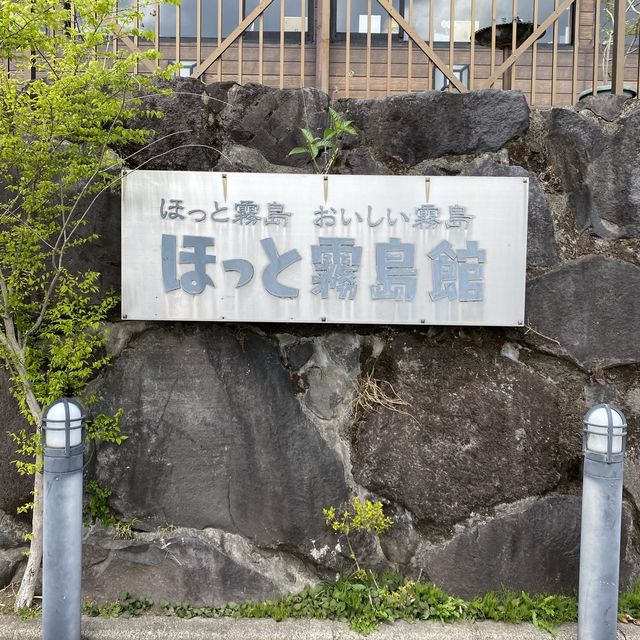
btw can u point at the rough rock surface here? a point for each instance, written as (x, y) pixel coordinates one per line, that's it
(10, 561)
(247, 160)
(269, 120)
(591, 306)
(12, 532)
(245, 434)
(185, 137)
(474, 419)
(600, 171)
(12, 547)
(541, 242)
(199, 567)
(407, 129)
(539, 536)
(217, 438)
(607, 107)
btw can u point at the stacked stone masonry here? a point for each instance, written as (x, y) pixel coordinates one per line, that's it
(239, 436)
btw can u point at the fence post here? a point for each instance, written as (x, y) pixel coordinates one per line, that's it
(323, 41)
(619, 32)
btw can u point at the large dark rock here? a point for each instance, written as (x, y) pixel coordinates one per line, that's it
(10, 561)
(202, 568)
(533, 546)
(607, 107)
(600, 170)
(12, 532)
(270, 120)
(541, 242)
(216, 438)
(479, 429)
(408, 129)
(185, 137)
(591, 306)
(615, 180)
(573, 143)
(14, 488)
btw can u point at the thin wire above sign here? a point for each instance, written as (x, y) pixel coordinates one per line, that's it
(245, 247)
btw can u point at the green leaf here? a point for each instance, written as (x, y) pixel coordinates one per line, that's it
(308, 136)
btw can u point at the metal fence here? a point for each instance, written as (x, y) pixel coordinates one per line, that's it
(552, 50)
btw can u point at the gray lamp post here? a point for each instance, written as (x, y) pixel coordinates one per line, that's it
(604, 441)
(62, 435)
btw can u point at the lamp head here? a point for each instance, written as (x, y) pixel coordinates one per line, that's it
(63, 426)
(604, 434)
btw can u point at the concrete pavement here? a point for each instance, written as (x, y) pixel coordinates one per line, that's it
(153, 627)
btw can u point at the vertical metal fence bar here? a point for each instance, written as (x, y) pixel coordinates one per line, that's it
(178, 16)
(494, 12)
(410, 51)
(347, 53)
(514, 42)
(219, 38)
(554, 57)
(303, 35)
(430, 66)
(390, 22)
(240, 41)
(261, 48)
(472, 47)
(452, 34)
(368, 78)
(534, 55)
(198, 32)
(281, 81)
(576, 51)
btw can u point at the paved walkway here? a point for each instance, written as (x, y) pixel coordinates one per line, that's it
(163, 628)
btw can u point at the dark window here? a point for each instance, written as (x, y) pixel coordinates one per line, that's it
(233, 12)
(442, 28)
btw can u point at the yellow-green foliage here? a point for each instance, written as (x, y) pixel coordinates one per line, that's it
(363, 516)
(70, 100)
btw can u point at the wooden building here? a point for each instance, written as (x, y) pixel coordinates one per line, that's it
(552, 50)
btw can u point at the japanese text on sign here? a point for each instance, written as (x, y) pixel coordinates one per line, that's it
(282, 248)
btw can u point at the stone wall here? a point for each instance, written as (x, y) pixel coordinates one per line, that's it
(240, 435)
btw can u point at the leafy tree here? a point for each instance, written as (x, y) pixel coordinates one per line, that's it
(66, 95)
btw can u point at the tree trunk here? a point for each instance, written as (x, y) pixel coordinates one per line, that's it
(32, 572)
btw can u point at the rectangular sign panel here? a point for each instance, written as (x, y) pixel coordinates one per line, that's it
(251, 247)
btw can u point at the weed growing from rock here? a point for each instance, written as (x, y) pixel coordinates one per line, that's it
(329, 144)
(364, 516)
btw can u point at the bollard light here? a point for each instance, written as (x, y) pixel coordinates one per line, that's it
(604, 442)
(62, 439)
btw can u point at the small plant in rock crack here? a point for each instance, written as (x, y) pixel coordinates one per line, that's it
(364, 516)
(329, 145)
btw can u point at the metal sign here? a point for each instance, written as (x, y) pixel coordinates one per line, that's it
(309, 248)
